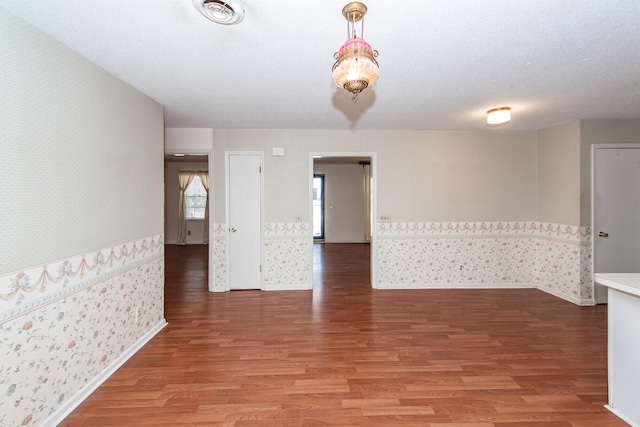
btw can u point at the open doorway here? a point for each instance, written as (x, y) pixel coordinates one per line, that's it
(196, 200)
(342, 187)
(194, 243)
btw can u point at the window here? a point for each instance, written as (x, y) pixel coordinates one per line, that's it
(195, 199)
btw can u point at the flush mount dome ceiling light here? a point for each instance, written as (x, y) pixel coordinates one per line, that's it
(498, 116)
(356, 67)
(227, 12)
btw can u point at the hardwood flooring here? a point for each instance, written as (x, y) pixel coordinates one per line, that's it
(346, 355)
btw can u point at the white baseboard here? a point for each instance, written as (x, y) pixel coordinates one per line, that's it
(457, 286)
(289, 288)
(622, 417)
(574, 300)
(64, 410)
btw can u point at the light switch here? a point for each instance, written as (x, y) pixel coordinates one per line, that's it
(278, 151)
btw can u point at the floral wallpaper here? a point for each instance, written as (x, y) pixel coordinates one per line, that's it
(218, 253)
(555, 258)
(63, 324)
(288, 256)
(453, 261)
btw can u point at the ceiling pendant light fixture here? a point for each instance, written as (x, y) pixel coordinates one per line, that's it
(498, 116)
(356, 67)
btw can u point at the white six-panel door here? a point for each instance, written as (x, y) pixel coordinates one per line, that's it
(244, 215)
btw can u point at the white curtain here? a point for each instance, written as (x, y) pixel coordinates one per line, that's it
(204, 177)
(367, 202)
(184, 179)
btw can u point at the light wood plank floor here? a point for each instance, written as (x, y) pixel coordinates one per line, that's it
(347, 355)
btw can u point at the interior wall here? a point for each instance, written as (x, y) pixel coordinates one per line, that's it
(81, 152)
(171, 193)
(345, 208)
(422, 175)
(188, 140)
(559, 174)
(82, 265)
(466, 201)
(600, 131)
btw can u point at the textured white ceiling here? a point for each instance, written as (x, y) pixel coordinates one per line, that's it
(443, 63)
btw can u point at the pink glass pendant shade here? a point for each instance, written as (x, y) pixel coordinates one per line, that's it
(356, 67)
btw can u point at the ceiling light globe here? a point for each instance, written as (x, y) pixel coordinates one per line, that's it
(356, 67)
(498, 116)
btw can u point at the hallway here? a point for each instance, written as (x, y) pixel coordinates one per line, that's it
(347, 355)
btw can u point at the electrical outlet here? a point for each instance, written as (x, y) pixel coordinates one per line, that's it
(137, 313)
(385, 218)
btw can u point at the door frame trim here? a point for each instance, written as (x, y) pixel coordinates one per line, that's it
(321, 238)
(227, 155)
(594, 147)
(211, 195)
(373, 244)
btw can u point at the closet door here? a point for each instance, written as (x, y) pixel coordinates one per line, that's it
(244, 213)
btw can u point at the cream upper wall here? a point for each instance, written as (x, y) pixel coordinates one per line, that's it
(600, 131)
(188, 140)
(422, 175)
(559, 174)
(82, 153)
(564, 165)
(457, 176)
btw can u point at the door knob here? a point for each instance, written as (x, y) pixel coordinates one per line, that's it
(233, 230)
(603, 234)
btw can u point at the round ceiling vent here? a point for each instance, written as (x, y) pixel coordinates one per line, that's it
(226, 12)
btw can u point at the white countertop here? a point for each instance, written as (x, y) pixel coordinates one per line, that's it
(625, 282)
